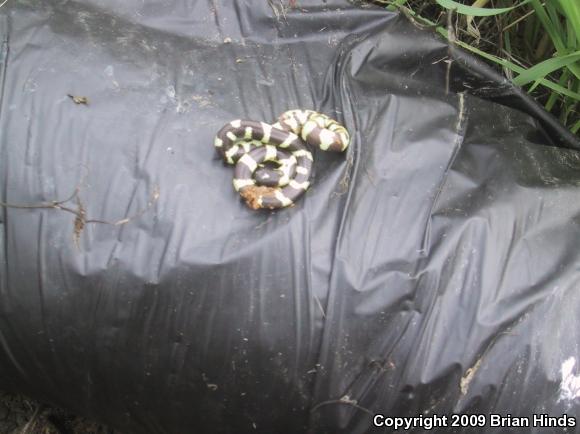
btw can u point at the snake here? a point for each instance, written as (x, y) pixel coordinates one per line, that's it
(273, 162)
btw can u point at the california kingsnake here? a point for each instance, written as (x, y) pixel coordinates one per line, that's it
(255, 146)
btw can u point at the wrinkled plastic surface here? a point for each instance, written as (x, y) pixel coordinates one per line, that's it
(434, 269)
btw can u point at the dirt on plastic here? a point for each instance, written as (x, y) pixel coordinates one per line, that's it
(21, 415)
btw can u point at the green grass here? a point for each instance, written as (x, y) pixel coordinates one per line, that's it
(535, 43)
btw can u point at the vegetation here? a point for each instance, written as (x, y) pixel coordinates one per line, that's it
(535, 42)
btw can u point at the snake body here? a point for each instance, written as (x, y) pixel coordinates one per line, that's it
(255, 147)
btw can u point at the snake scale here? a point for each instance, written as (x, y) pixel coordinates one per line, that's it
(272, 162)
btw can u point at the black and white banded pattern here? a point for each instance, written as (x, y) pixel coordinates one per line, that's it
(272, 161)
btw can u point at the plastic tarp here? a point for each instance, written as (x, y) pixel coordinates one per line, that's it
(434, 269)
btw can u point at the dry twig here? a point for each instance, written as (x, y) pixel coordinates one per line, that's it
(81, 219)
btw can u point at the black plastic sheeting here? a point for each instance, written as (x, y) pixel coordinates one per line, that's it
(433, 270)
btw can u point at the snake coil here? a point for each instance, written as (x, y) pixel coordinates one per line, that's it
(272, 161)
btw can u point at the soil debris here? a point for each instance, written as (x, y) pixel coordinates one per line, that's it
(81, 100)
(252, 194)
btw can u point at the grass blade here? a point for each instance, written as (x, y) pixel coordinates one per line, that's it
(546, 67)
(475, 11)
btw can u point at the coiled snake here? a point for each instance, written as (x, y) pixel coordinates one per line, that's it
(272, 162)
